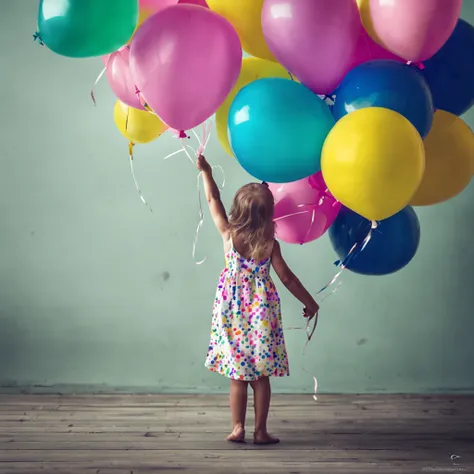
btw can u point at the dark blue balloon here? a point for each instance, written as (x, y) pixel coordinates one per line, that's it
(392, 245)
(450, 72)
(389, 84)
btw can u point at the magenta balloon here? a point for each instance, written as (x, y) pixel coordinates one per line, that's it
(313, 39)
(414, 29)
(201, 3)
(120, 78)
(367, 50)
(185, 60)
(304, 209)
(155, 5)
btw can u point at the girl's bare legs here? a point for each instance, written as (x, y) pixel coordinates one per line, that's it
(262, 394)
(238, 407)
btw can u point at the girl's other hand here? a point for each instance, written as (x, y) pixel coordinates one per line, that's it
(202, 164)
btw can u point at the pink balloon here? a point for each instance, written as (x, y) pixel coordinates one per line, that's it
(201, 3)
(313, 39)
(414, 29)
(367, 50)
(185, 60)
(154, 6)
(304, 209)
(121, 80)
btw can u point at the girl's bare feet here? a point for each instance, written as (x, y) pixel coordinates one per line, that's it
(264, 438)
(237, 435)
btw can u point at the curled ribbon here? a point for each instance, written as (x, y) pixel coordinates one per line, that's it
(202, 142)
(132, 171)
(342, 265)
(99, 77)
(353, 252)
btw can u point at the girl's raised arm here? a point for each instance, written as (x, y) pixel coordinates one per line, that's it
(213, 197)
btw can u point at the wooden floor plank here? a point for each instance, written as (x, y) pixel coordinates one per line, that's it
(234, 455)
(124, 434)
(219, 468)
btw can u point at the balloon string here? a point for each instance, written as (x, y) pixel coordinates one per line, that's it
(37, 38)
(309, 334)
(99, 77)
(132, 171)
(172, 154)
(219, 167)
(310, 208)
(313, 217)
(197, 137)
(201, 221)
(202, 144)
(353, 252)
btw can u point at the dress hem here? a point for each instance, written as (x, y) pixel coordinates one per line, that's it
(248, 379)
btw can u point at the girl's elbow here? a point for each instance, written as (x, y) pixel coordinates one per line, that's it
(288, 280)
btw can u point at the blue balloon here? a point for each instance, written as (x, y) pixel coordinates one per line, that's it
(277, 128)
(392, 245)
(450, 72)
(389, 84)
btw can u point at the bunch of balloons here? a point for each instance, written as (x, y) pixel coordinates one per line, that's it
(174, 59)
(398, 74)
(348, 108)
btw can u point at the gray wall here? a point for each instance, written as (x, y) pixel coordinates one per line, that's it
(99, 294)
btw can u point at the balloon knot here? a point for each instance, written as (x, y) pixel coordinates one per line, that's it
(374, 225)
(130, 149)
(418, 64)
(182, 134)
(329, 99)
(37, 37)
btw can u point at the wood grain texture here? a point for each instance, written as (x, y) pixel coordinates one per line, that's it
(127, 434)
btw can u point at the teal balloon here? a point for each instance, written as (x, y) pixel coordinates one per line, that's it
(86, 28)
(277, 128)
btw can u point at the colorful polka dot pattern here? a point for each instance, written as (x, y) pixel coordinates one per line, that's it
(247, 339)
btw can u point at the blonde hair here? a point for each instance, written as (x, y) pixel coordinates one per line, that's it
(251, 217)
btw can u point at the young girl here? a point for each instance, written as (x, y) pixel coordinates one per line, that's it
(247, 343)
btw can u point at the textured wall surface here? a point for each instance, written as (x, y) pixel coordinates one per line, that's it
(99, 294)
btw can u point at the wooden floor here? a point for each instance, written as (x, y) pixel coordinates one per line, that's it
(164, 433)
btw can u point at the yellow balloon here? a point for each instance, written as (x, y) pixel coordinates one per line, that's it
(449, 151)
(373, 162)
(138, 126)
(364, 11)
(245, 16)
(252, 69)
